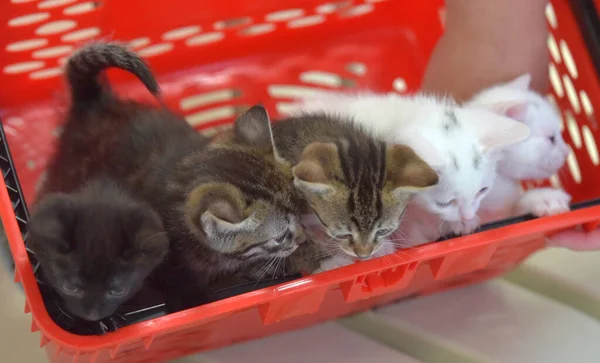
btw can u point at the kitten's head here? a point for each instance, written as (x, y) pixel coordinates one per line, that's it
(544, 151)
(358, 189)
(463, 146)
(96, 247)
(249, 211)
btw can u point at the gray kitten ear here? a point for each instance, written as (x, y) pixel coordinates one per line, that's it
(218, 211)
(317, 168)
(253, 128)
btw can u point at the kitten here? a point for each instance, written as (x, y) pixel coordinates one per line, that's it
(231, 206)
(95, 241)
(357, 187)
(461, 144)
(539, 156)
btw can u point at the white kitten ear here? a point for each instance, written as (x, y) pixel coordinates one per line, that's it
(496, 131)
(522, 82)
(516, 110)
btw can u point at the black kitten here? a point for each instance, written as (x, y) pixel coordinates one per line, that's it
(95, 239)
(96, 246)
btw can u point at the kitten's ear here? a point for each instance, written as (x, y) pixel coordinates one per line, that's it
(522, 82)
(219, 209)
(318, 165)
(496, 131)
(406, 171)
(253, 128)
(52, 222)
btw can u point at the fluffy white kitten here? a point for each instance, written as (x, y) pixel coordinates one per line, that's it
(538, 157)
(462, 144)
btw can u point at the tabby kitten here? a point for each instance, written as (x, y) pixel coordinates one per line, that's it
(357, 187)
(231, 208)
(95, 241)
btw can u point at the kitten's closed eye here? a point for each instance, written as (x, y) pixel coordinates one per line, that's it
(345, 236)
(552, 139)
(384, 232)
(118, 291)
(446, 204)
(284, 237)
(483, 190)
(71, 289)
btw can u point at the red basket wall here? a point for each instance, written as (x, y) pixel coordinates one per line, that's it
(215, 59)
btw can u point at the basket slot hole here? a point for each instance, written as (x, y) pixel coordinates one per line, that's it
(286, 108)
(326, 79)
(215, 130)
(555, 81)
(551, 16)
(293, 92)
(257, 29)
(586, 103)
(442, 17)
(52, 52)
(23, 67)
(181, 33)
(28, 44)
(357, 68)
(204, 39)
(357, 10)
(306, 21)
(79, 35)
(21, 1)
(49, 4)
(573, 129)
(232, 23)
(399, 85)
(329, 8)
(46, 73)
(284, 15)
(156, 49)
(56, 27)
(82, 8)
(590, 144)
(139, 42)
(568, 57)
(574, 167)
(204, 99)
(214, 114)
(553, 47)
(555, 182)
(28, 19)
(571, 93)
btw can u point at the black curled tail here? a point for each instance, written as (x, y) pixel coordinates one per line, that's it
(87, 63)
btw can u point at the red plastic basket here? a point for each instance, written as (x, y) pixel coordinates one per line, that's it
(214, 59)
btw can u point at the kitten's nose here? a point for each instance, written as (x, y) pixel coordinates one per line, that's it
(363, 252)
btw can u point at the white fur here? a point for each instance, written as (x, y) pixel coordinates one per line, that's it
(537, 157)
(418, 122)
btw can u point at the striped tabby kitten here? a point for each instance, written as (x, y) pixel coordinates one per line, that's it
(357, 187)
(231, 208)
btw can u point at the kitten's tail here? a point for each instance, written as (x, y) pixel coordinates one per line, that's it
(85, 65)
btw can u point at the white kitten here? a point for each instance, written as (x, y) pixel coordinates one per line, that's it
(538, 157)
(460, 143)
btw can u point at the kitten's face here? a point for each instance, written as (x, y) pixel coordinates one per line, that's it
(251, 212)
(358, 206)
(544, 152)
(464, 148)
(461, 188)
(96, 248)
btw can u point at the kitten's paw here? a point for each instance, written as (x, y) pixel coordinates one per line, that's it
(544, 202)
(334, 262)
(464, 227)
